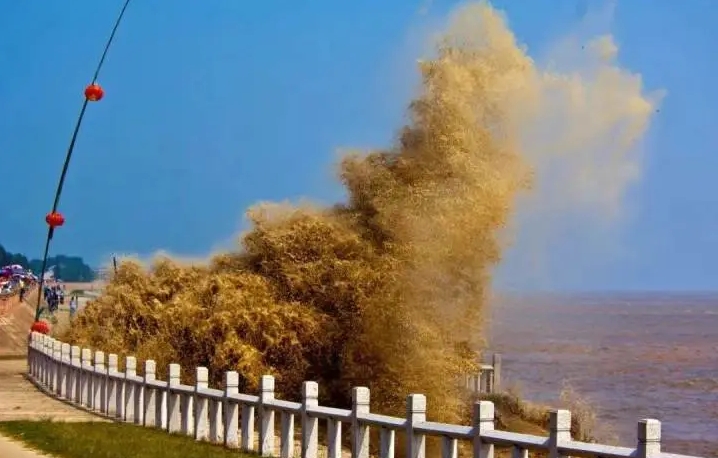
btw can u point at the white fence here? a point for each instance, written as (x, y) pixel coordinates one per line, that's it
(205, 413)
(488, 379)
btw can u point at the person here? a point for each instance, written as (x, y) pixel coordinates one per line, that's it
(51, 300)
(73, 306)
(22, 293)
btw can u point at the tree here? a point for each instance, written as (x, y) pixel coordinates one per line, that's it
(67, 268)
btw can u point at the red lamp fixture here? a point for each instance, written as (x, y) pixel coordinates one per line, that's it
(94, 92)
(54, 219)
(40, 326)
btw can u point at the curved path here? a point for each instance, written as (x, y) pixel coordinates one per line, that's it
(21, 400)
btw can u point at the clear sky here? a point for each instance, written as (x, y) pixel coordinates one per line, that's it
(214, 105)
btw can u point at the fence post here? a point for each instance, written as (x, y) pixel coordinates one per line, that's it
(51, 363)
(310, 425)
(387, 442)
(161, 408)
(38, 354)
(149, 396)
(187, 414)
(247, 427)
(174, 420)
(130, 374)
(360, 431)
(50, 366)
(496, 382)
(649, 439)
(114, 387)
(36, 360)
(449, 447)
(31, 354)
(138, 400)
(98, 382)
(230, 409)
(35, 352)
(287, 441)
(415, 413)
(30, 347)
(334, 439)
(560, 431)
(38, 357)
(483, 421)
(48, 361)
(41, 358)
(201, 402)
(266, 416)
(57, 364)
(85, 379)
(477, 381)
(76, 365)
(216, 421)
(65, 372)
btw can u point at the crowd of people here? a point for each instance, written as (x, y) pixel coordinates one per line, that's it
(14, 278)
(54, 295)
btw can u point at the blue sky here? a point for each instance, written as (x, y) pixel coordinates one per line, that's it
(212, 106)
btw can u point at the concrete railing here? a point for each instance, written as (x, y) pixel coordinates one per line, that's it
(488, 380)
(227, 417)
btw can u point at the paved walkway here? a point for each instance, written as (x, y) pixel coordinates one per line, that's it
(21, 400)
(11, 449)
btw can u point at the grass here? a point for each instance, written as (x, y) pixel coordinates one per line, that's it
(110, 440)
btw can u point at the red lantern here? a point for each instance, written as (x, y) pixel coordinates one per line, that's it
(40, 326)
(94, 92)
(54, 219)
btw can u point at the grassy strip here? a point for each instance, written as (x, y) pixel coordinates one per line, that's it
(110, 440)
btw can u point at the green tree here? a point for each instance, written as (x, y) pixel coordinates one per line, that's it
(67, 268)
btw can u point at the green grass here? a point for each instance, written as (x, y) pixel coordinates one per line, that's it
(110, 440)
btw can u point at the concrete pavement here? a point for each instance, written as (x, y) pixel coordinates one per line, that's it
(21, 400)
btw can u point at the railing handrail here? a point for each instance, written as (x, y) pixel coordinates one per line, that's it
(93, 381)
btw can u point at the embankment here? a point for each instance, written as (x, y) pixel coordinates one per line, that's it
(16, 318)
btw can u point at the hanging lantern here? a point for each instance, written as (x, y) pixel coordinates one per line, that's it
(94, 92)
(54, 219)
(40, 326)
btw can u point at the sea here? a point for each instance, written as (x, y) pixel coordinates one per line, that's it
(629, 355)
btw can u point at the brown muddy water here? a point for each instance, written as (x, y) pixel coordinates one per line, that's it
(633, 356)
